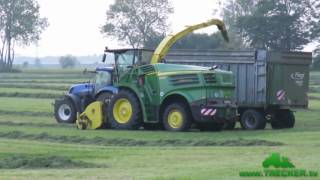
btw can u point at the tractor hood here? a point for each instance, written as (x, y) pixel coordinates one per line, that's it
(82, 89)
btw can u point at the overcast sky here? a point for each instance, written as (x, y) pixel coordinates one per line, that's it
(75, 25)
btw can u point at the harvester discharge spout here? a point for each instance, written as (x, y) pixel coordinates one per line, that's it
(163, 48)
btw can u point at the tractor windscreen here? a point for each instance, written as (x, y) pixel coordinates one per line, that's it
(103, 78)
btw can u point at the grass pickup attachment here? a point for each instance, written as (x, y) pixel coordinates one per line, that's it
(92, 117)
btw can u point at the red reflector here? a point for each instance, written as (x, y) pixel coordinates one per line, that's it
(141, 80)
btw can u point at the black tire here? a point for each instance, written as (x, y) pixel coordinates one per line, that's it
(105, 98)
(229, 125)
(65, 111)
(211, 126)
(283, 119)
(184, 114)
(253, 120)
(133, 121)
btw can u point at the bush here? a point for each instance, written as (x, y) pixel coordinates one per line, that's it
(68, 61)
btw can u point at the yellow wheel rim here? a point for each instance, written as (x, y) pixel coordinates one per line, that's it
(122, 111)
(175, 119)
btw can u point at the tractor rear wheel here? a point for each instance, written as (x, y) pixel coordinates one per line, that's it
(253, 120)
(176, 117)
(105, 99)
(65, 111)
(124, 111)
(283, 119)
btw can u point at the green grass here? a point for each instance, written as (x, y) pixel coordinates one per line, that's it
(30, 91)
(32, 135)
(25, 104)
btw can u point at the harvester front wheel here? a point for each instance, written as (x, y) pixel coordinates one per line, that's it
(124, 111)
(176, 117)
(65, 111)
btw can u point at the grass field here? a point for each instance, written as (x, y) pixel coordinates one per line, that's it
(32, 140)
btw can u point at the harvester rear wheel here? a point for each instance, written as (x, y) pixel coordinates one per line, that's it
(283, 119)
(65, 111)
(176, 117)
(253, 120)
(124, 111)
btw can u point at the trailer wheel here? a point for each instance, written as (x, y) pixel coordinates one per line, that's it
(176, 117)
(283, 119)
(65, 111)
(253, 120)
(124, 111)
(211, 126)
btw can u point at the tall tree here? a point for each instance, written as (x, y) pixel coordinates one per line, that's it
(280, 24)
(20, 23)
(231, 11)
(135, 21)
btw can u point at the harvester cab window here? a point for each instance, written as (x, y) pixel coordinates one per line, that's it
(125, 61)
(145, 57)
(103, 78)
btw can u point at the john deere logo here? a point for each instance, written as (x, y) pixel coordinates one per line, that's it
(276, 165)
(275, 160)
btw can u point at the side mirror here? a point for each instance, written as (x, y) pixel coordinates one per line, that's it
(104, 58)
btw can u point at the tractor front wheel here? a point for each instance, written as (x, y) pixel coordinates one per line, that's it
(65, 111)
(124, 111)
(176, 117)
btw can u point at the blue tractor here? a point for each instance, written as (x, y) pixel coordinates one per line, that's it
(101, 88)
(80, 96)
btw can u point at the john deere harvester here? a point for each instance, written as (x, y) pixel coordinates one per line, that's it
(143, 92)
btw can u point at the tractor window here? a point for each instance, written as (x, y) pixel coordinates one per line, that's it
(103, 78)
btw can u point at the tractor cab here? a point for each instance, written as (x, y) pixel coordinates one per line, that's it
(103, 78)
(125, 59)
